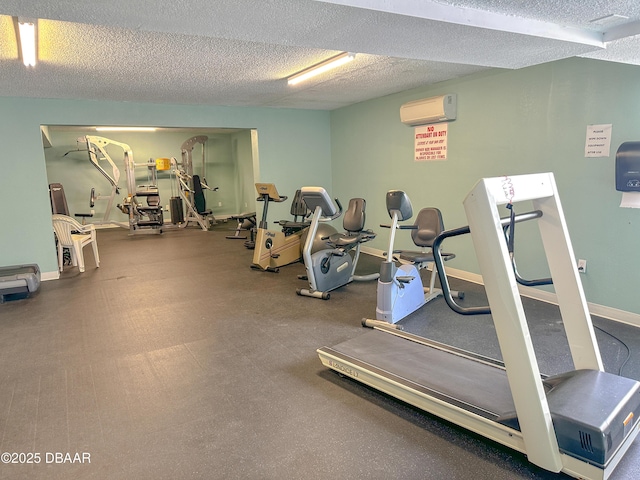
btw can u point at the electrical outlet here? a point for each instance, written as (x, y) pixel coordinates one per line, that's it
(219, 204)
(582, 266)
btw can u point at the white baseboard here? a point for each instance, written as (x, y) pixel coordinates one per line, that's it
(44, 276)
(603, 311)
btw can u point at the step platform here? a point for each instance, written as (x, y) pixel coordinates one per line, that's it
(18, 281)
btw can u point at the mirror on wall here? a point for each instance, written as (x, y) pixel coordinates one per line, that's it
(97, 168)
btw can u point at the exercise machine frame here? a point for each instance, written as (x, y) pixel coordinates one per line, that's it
(96, 146)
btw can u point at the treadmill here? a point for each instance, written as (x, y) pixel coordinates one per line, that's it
(580, 422)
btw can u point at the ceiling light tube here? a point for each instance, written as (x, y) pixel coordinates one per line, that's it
(321, 67)
(125, 129)
(27, 32)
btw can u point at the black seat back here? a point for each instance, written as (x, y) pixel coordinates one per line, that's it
(198, 196)
(58, 199)
(430, 225)
(354, 216)
(298, 207)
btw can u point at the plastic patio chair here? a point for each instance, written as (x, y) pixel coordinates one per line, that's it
(75, 237)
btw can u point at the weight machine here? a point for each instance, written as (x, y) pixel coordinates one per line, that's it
(144, 217)
(96, 147)
(191, 187)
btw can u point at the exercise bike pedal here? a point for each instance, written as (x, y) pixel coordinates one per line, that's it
(268, 269)
(405, 278)
(371, 323)
(305, 292)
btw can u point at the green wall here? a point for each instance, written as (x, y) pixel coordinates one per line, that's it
(509, 122)
(294, 149)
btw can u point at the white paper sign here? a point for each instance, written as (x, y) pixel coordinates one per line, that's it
(431, 142)
(598, 141)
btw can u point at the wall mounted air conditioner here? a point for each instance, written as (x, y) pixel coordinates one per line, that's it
(429, 110)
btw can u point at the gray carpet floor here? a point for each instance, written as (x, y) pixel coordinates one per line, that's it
(175, 360)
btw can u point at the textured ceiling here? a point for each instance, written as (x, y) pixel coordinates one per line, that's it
(239, 52)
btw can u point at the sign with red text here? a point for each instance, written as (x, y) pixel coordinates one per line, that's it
(431, 142)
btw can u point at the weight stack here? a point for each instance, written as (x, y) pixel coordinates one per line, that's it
(176, 210)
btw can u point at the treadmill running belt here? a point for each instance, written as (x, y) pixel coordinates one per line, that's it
(470, 384)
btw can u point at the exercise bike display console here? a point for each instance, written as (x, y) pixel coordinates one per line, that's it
(580, 422)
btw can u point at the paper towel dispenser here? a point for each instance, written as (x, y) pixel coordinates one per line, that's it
(628, 167)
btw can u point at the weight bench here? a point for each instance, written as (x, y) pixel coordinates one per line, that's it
(18, 281)
(246, 222)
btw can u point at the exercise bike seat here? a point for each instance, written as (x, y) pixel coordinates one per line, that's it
(427, 226)
(415, 257)
(353, 223)
(340, 240)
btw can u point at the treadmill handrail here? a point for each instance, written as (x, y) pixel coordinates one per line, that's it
(522, 281)
(444, 282)
(334, 216)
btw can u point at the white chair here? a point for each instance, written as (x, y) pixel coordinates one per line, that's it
(75, 237)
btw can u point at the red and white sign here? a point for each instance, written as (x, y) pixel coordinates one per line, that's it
(431, 142)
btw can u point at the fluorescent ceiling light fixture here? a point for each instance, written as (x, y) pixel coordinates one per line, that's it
(27, 32)
(125, 129)
(321, 67)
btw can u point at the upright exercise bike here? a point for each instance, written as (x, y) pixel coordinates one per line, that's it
(333, 267)
(274, 249)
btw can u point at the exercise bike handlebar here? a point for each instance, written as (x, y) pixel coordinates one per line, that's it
(444, 282)
(265, 197)
(401, 227)
(335, 215)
